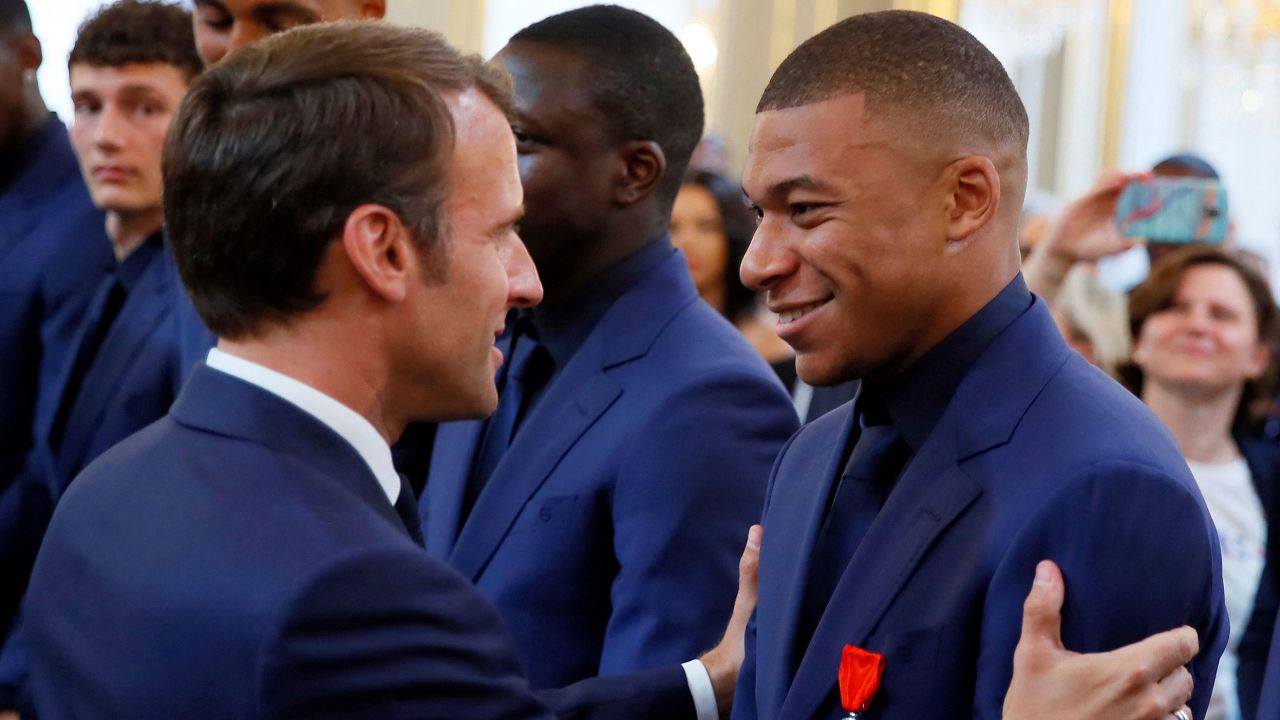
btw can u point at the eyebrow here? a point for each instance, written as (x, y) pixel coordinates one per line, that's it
(514, 219)
(786, 187)
(267, 10)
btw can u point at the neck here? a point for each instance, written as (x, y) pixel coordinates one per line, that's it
(35, 112)
(310, 356)
(624, 234)
(129, 229)
(1200, 422)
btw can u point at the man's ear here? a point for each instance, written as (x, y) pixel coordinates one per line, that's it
(642, 169)
(973, 196)
(373, 9)
(377, 245)
(29, 52)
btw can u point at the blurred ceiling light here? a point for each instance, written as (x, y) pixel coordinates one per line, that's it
(1251, 100)
(700, 44)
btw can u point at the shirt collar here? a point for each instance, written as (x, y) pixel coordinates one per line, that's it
(917, 398)
(347, 423)
(564, 325)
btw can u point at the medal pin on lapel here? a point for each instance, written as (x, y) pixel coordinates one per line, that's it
(860, 672)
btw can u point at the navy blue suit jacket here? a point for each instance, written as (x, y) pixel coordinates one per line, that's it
(1038, 455)
(53, 250)
(129, 383)
(238, 559)
(609, 534)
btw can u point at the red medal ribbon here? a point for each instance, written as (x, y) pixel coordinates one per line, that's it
(860, 672)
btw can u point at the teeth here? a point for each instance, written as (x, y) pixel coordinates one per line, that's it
(791, 316)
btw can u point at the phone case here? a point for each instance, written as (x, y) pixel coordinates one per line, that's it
(1174, 210)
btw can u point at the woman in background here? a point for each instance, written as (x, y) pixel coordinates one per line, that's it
(1201, 324)
(711, 224)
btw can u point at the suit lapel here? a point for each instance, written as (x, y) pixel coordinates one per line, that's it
(139, 317)
(573, 401)
(931, 493)
(798, 516)
(572, 404)
(447, 482)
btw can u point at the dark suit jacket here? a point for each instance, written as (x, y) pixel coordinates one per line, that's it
(129, 383)
(1038, 455)
(53, 250)
(609, 534)
(238, 559)
(1263, 457)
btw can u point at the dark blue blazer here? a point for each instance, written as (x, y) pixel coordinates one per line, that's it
(1263, 457)
(609, 534)
(238, 559)
(53, 251)
(130, 383)
(1038, 455)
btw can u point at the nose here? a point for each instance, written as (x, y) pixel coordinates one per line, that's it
(524, 288)
(108, 129)
(767, 261)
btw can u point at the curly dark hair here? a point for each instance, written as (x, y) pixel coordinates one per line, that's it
(138, 31)
(1158, 292)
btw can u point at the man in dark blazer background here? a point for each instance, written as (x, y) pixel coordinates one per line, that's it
(129, 68)
(254, 553)
(601, 508)
(888, 165)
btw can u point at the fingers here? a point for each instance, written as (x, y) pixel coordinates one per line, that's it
(1042, 612)
(748, 583)
(1182, 713)
(1161, 656)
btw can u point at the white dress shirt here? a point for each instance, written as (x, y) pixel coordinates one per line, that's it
(373, 449)
(347, 423)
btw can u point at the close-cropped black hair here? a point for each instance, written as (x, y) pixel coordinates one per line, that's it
(138, 31)
(642, 83)
(14, 15)
(739, 300)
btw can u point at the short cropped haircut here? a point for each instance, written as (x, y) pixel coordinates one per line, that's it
(274, 148)
(1159, 291)
(138, 31)
(643, 86)
(904, 60)
(14, 16)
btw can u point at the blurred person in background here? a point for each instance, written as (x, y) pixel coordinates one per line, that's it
(225, 25)
(53, 247)
(712, 226)
(129, 69)
(1201, 361)
(1093, 319)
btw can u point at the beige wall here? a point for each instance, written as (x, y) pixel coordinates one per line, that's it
(461, 22)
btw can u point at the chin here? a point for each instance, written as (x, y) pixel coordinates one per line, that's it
(820, 371)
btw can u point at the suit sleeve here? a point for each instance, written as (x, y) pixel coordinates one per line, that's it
(391, 634)
(690, 486)
(1139, 555)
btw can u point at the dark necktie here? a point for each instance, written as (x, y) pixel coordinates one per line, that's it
(528, 370)
(101, 313)
(407, 508)
(874, 463)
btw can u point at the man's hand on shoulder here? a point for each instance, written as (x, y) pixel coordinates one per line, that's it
(725, 659)
(1143, 681)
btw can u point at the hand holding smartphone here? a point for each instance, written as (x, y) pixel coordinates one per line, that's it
(1173, 210)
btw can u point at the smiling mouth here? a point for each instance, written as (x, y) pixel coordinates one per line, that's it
(789, 316)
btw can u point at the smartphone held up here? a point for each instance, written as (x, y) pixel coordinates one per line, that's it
(1174, 210)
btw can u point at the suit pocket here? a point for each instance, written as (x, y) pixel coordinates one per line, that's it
(543, 514)
(913, 649)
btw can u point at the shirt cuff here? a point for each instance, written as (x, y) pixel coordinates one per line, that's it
(704, 696)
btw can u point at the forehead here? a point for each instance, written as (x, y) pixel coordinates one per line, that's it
(324, 9)
(548, 80)
(483, 167)
(158, 77)
(827, 142)
(1214, 279)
